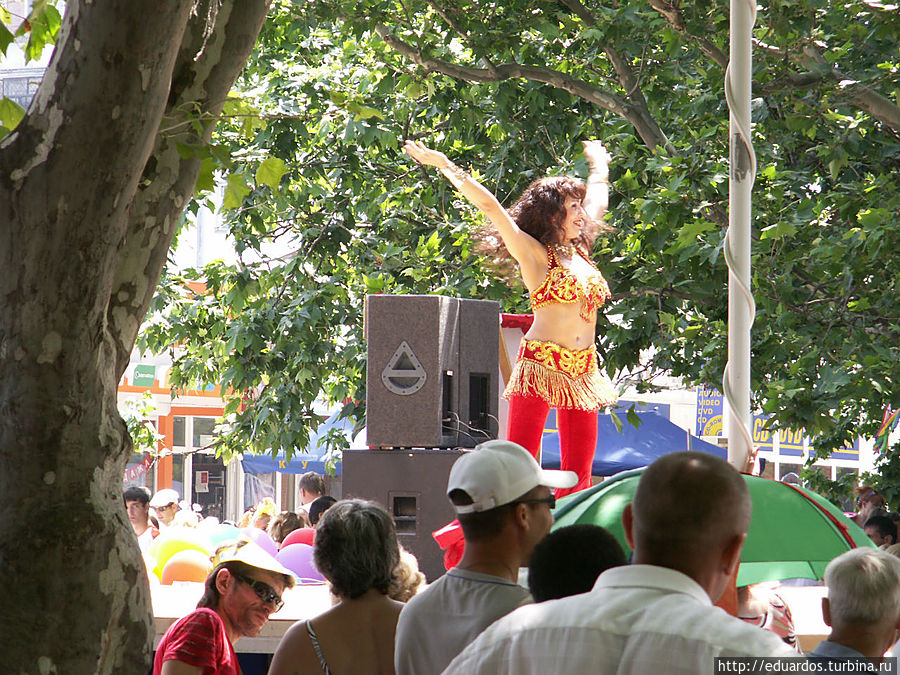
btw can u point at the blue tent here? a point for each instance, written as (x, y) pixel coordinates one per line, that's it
(313, 459)
(630, 449)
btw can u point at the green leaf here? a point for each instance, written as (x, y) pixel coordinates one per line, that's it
(362, 112)
(616, 421)
(870, 218)
(11, 113)
(236, 189)
(43, 25)
(270, 171)
(633, 418)
(6, 37)
(206, 179)
(779, 229)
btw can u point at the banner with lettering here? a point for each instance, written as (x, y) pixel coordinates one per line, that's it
(790, 442)
(710, 408)
(135, 471)
(763, 438)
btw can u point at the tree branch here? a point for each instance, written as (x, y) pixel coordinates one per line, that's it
(860, 95)
(674, 16)
(646, 128)
(208, 63)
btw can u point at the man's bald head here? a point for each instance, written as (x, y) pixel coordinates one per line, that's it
(688, 504)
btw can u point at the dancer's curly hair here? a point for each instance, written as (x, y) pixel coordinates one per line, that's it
(541, 212)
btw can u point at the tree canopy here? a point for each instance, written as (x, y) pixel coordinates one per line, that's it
(509, 89)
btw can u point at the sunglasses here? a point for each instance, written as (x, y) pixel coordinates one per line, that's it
(265, 592)
(550, 500)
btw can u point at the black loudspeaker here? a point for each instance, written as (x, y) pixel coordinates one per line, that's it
(432, 371)
(412, 485)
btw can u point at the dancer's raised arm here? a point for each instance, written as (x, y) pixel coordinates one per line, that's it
(596, 201)
(527, 251)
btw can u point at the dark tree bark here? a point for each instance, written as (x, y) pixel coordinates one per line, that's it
(90, 192)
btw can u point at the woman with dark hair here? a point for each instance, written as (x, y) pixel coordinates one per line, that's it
(356, 550)
(549, 232)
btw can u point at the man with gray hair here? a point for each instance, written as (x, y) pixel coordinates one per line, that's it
(686, 525)
(862, 606)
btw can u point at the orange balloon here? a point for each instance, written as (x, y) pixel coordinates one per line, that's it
(187, 565)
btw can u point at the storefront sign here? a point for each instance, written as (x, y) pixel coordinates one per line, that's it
(144, 375)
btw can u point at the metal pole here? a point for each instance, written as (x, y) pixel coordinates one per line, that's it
(741, 307)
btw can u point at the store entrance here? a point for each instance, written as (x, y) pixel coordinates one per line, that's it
(208, 485)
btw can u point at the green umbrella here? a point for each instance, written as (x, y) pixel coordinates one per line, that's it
(794, 532)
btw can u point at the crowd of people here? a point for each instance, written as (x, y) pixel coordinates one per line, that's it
(524, 600)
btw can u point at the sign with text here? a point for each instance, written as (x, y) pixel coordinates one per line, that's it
(709, 412)
(144, 375)
(763, 437)
(790, 442)
(848, 451)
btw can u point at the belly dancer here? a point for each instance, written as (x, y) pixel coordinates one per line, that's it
(549, 232)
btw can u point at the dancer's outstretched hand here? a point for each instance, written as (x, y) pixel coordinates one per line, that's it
(598, 157)
(424, 155)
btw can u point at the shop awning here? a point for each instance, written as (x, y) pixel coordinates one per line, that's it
(311, 459)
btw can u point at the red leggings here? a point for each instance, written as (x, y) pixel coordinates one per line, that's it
(577, 435)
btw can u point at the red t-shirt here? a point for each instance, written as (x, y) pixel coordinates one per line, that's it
(198, 639)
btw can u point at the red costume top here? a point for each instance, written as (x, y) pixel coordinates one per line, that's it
(560, 285)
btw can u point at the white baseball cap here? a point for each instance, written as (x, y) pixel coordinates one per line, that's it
(164, 498)
(498, 472)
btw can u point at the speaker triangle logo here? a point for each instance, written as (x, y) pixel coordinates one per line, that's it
(404, 374)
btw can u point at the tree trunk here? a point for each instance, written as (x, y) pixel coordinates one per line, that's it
(89, 196)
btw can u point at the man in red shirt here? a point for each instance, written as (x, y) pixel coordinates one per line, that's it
(243, 589)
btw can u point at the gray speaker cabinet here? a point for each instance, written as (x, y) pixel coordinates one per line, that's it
(412, 486)
(432, 371)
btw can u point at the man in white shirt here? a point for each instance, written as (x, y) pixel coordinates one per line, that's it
(502, 499)
(137, 504)
(686, 525)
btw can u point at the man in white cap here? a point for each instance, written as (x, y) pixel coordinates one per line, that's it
(502, 499)
(242, 590)
(686, 526)
(165, 504)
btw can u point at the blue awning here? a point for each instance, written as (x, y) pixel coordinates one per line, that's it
(312, 459)
(632, 448)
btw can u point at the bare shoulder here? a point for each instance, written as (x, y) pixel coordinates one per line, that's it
(294, 652)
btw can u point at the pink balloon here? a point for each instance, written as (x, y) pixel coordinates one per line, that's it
(261, 538)
(298, 558)
(302, 535)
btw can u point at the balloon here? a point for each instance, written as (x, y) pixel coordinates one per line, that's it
(298, 558)
(302, 535)
(175, 539)
(224, 534)
(187, 565)
(261, 538)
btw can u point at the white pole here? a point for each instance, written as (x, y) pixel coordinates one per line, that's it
(741, 308)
